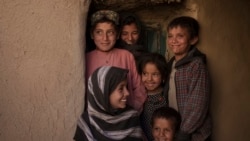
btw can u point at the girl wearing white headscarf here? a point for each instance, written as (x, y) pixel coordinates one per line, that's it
(103, 120)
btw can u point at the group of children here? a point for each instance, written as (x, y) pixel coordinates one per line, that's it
(135, 95)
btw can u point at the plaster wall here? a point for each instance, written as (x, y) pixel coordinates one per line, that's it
(41, 68)
(225, 40)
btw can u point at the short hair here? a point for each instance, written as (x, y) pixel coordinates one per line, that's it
(167, 113)
(189, 23)
(127, 18)
(158, 60)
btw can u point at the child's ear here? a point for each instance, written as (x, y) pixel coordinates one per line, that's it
(194, 41)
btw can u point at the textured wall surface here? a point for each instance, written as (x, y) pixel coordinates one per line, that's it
(225, 39)
(41, 68)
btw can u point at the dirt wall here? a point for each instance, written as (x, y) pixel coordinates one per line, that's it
(225, 40)
(41, 68)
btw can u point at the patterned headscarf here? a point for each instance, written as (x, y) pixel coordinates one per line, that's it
(109, 14)
(100, 122)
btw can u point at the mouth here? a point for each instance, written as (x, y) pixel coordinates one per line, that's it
(150, 84)
(129, 42)
(106, 43)
(175, 45)
(162, 139)
(124, 100)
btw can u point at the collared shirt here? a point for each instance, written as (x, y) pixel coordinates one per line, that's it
(193, 95)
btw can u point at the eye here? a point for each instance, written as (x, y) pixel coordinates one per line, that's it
(156, 129)
(156, 74)
(124, 33)
(135, 33)
(110, 33)
(144, 73)
(170, 36)
(166, 130)
(98, 32)
(180, 36)
(122, 88)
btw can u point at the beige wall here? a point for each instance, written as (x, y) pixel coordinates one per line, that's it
(225, 40)
(41, 68)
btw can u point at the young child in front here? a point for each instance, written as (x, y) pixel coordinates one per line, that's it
(153, 70)
(108, 117)
(165, 123)
(188, 83)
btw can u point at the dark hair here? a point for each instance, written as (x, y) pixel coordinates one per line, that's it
(167, 113)
(157, 59)
(127, 18)
(189, 23)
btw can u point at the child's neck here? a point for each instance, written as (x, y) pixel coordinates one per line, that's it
(179, 57)
(155, 91)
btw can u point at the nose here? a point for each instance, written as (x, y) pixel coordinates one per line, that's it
(174, 40)
(149, 77)
(162, 133)
(130, 37)
(126, 92)
(105, 36)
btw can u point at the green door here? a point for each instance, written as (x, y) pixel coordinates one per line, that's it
(155, 40)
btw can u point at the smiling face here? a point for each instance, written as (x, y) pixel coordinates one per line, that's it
(179, 41)
(118, 97)
(151, 78)
(104, 36)
(130, 34)
(162, 130)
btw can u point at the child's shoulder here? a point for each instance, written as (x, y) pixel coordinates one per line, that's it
(198, 63)
(122, 52)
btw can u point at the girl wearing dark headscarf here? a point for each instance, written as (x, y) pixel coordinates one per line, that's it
(131, 36)
(107, 117)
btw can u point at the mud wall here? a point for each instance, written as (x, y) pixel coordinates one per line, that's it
(41, 68)
(225, 40)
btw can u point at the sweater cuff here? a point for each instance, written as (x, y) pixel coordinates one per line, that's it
(183, 136)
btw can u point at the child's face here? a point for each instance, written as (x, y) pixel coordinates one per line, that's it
(118, 97)
(130, 34)
(151, 77)
(104, 36)
(179, 41)
(162, 130)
